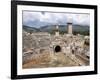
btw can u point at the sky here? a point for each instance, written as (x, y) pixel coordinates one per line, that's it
(39, 19)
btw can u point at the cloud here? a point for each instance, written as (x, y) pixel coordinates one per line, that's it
(37, 19)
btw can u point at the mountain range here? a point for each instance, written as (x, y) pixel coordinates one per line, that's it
(51, 28)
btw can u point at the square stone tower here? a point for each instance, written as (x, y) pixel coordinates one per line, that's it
(69, 24)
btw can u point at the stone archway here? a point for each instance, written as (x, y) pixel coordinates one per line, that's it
(57, 48)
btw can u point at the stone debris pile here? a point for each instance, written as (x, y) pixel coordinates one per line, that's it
(39, 49)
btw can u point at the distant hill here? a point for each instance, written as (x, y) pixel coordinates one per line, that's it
(80, 28)
(62, 28)
(30, 29)
(53, 27)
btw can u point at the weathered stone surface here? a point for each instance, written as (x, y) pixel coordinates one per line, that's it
(39, 50)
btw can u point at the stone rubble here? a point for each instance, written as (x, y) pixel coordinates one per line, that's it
(72, 46)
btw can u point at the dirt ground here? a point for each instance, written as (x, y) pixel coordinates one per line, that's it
(45, 60)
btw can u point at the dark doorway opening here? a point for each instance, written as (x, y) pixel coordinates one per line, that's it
(57, 48)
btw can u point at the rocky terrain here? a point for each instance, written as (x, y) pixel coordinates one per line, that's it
(41, 49)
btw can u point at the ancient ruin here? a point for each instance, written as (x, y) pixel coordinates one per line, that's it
(42, 49)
